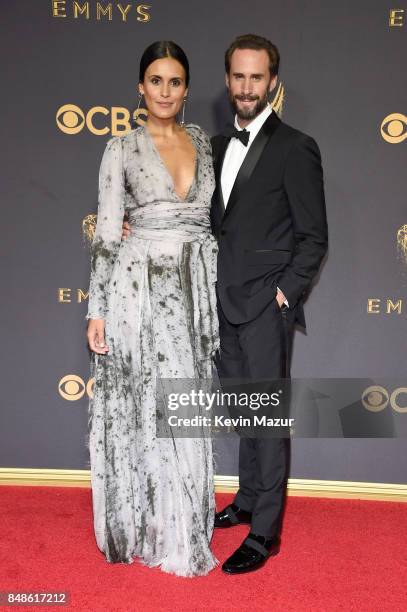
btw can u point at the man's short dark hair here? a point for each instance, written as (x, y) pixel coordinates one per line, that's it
(252, 41)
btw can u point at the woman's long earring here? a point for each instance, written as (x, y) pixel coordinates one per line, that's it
(138, 111)
(182, 122)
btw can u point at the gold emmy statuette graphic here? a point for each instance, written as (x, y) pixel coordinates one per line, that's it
(279, 99)
(394, 128)
(88, 227)
(72, 387)
(402, 243)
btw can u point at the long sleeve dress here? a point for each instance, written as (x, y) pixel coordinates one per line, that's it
(153, 497)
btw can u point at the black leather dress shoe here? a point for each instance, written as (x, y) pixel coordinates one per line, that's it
(251, 554)
(232, 515)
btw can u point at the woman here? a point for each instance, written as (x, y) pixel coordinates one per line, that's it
(152, 315)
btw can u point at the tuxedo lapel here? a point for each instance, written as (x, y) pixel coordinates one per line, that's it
(219, 157)
(250, 161)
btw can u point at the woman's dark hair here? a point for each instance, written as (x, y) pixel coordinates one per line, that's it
(159, 50)
(252, 41)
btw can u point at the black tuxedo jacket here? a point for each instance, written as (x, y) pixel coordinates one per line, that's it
(274, 229)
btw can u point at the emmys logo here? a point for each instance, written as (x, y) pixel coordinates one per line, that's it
(86, 10)
(72, 387)
(71, 119)
(64, 295)
(376, 399)
(396, 18)
(378, 306)
(394, 128)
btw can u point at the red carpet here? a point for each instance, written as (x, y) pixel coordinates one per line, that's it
(335, 555)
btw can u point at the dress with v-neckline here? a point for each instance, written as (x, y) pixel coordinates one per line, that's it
(156, 293)
(186, 198)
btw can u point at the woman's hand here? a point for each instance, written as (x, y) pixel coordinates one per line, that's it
(96, 336)
(125, 230)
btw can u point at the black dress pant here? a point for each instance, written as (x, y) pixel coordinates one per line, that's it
(260, 348)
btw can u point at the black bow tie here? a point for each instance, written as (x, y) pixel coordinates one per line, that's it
(243, 135)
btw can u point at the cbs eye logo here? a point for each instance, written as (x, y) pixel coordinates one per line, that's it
(70, 119)
(72, 387)
(376, 399)
(394, 128)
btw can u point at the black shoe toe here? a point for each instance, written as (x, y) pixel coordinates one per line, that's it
(251, 555)
(232, 515)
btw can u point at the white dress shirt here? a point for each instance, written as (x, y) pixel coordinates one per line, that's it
(236, 152)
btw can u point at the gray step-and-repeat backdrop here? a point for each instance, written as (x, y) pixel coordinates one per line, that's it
(69, 82)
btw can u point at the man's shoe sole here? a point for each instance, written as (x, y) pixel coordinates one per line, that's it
(232, 525)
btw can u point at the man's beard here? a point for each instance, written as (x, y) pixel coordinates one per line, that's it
(248, 114)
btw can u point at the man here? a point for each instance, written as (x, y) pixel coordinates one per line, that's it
(268, 213)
